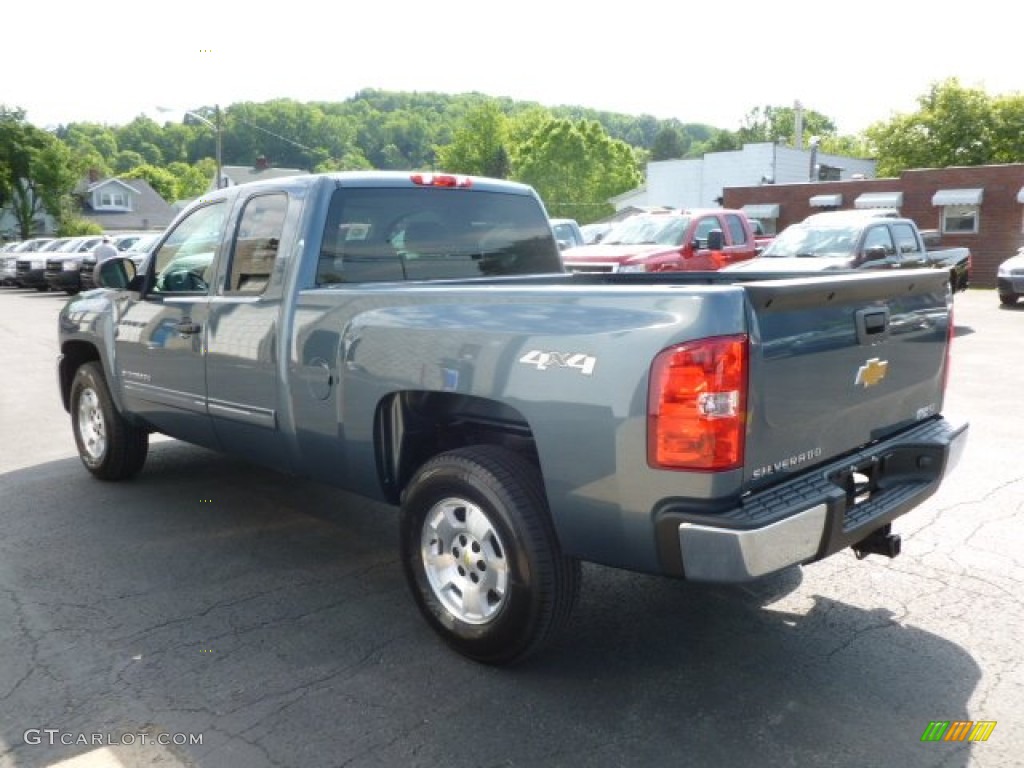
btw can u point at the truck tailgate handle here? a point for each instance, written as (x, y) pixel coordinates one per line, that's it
(186, 327)
(872, 325)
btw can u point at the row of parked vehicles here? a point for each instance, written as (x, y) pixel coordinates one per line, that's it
(65, 263)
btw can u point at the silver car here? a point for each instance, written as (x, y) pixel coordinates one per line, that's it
(1010, 279)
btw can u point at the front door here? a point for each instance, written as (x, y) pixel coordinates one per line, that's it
(161, 339)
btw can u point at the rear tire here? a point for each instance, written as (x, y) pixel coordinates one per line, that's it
(481, 556)
(109, 447)
(1008, 299)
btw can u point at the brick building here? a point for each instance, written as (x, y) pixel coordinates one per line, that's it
(981, 207)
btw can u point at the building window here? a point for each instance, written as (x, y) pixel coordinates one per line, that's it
(113, 199)
(959, 219)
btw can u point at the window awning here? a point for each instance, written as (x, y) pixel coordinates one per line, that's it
(763, 211)
(826, 201)
(879, 200)
(957, 197)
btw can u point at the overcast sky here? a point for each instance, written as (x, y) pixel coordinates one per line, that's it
(707, 62)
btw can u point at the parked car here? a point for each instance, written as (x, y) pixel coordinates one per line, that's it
(138, 252)
(699, 239)
(62, 266)
(567, 233)
(856, 241)
(594, 233)
(8, 269)
(30, 267)
(1010, 279)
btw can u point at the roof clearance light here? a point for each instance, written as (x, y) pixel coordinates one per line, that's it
(696, 411)
(440, 180)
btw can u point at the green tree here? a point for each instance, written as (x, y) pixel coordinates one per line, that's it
(37, 171)
(670, 143)
(191, 180)
(767, 124)
(576, 167)
(954, 125)
(163, 182)
(479, 144)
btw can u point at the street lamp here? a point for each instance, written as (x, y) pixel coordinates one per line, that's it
(216, 126)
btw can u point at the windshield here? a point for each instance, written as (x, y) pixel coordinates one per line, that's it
(648, 230)
(813, 241)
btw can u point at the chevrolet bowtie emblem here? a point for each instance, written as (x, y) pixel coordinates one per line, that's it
(872, 372)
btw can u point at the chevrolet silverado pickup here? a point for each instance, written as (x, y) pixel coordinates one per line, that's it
(414, 338)
(858, 240)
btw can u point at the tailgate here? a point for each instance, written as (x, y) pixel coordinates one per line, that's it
(837, 364)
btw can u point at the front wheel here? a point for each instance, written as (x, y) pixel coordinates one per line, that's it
(481, 557)
(109, 447)
(1007, 299)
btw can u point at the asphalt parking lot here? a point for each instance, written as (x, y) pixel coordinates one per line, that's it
(266, 618)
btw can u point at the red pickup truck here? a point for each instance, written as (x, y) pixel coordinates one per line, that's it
(668, 241)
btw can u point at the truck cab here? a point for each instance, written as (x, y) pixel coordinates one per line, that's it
(674, 240)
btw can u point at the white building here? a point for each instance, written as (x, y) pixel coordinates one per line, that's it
(699, 182)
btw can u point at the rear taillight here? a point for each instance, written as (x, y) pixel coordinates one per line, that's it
(696, 406)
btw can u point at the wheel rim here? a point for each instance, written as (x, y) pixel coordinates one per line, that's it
(464, 559)
(92, 429)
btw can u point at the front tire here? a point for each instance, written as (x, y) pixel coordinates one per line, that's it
(1007, 299)
(109, 447)
(481, 557)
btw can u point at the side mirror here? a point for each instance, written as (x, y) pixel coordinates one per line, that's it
(117, 273)
(715, 240)
(563, 244)
(875, 253)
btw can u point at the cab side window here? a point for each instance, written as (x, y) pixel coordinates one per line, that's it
(905, 236)
(256, 244)
(704, 226)
(879, 236)
(185, 261)
(737, 232)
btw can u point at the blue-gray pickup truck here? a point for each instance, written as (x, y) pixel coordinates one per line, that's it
(414, 338)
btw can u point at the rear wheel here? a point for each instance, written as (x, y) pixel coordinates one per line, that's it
(481, 557)
(1008, 299)
(109, 447)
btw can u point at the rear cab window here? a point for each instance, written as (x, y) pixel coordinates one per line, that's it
(377, 234)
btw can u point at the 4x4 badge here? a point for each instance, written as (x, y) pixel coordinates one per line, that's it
(872, 372)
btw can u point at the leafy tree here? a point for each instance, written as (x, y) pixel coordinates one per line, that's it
(36, 170)
(143, 136)
(954, 125)
(126, 160)
(767, 124)
(669, 144)
(191, 180)
(1008, 129)
(479, 144)
(163, 182)
(576, 167)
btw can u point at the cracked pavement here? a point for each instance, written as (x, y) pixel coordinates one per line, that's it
(269, 615)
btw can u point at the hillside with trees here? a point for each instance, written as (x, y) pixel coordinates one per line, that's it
(577, 158)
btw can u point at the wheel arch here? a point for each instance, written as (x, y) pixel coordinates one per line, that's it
(411, 427)
(74, 354)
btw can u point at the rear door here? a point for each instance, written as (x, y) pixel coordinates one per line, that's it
(243, 351)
